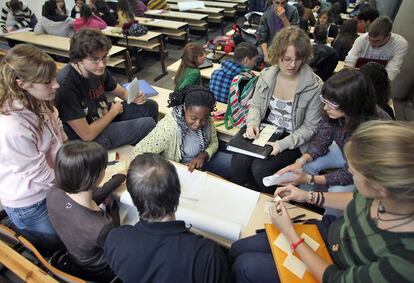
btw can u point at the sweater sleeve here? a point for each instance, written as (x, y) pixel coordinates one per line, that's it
(355, 51)
(263, 29)
(190, 79)
(393, 66)
(39, 28)
(3, 18)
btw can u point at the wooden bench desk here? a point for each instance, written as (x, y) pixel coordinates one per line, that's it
(172, 29)
(205, 73)
(229, 8)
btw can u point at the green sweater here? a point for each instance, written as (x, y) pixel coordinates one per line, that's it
(367, 253)
(165, 139)
(189, 77)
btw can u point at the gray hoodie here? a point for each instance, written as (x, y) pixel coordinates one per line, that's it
(59, 28)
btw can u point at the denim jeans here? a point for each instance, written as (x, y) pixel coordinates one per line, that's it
(135, 122)
(220, 164)
(33, 223)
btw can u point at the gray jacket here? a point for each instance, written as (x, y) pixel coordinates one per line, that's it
(59, 28)
(306, 108)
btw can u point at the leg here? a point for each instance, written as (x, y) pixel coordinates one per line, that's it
(220, 164)
(133, 111)
(257, 243)
(333, 159)
(241, 168)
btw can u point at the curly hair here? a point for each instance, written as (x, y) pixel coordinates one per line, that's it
(86, 42)
(193, 96)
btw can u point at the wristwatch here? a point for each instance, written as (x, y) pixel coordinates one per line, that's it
(312, 180)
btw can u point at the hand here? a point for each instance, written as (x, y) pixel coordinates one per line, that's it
(197, 162)
(280, 217)
(303, 178)
(290, 192)
(252, 132)
(292, 167)
(280, 11)
(140, 98)
(117, 107)
(276, 148)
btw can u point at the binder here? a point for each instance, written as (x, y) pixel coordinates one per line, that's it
(279, 256)
(137, 85)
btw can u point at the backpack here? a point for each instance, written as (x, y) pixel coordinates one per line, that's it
(137, 29)
(241, 91)
(222, 43)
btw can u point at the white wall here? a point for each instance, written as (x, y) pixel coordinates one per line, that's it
(36, 5)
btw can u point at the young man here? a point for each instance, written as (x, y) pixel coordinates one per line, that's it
(366, 17)
(158, 248)
(245, 56)
(276, 17)
(380, 45)
(83, 106)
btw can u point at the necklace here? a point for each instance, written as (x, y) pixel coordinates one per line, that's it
(381, 210)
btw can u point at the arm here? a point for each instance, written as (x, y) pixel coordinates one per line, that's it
(355, 51)
(27, 18)
(39, 28)
(293, 19)
(263, 30)
(3, 17)
(213, 145)
(101, 23)
(393, 66)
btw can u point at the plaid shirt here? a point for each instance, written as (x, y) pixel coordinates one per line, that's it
(221, 79)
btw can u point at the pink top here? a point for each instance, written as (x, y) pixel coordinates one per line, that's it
(27, 156)
(93, 22)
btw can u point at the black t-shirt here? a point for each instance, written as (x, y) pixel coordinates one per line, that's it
(78, 97)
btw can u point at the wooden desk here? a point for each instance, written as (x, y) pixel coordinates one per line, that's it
(340, 66)
(60, 46)
(195, 21)
(172, 29)
(229, 8)
(151, 41)
(205, 73)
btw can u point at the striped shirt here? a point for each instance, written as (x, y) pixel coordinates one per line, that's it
(22, 17)
(365, 253)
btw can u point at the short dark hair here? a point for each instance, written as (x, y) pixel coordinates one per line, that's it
(193, 96)
(379, 78)
(79, 165)
(243, 50)
(321, 33)
(49, 8)
(354, 94)
(15, 5)
(152, 182)
(86, 11)
(368, 14)
(86, 42)
(381, 26)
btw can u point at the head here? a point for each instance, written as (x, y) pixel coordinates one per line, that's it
(348, 94)
(379, 78)
(198, 103)
(380, 32)
(193, 56)
(367, 16)
(280, 3)
(290, 48)
(79, 3)
(246, 54)
(80, 166)
(153, 184)
(335, 8)
(101, 6)
(349, 27)
(321, 33)
(89, 50)
(61, 5)
(325, 17)
(86, 12)
(15, 5)
(50, 8)
(380, 157)
(125, 8)
(28, 75)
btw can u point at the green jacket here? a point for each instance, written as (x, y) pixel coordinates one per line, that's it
(189, 77)
(164, 139)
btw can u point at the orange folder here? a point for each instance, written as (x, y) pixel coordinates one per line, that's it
(279, 256)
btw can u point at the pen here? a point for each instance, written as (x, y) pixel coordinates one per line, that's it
(113, 162)
(298, 217)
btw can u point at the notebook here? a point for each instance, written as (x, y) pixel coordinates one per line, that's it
(207, 64)
(242, 145)
(135, 86)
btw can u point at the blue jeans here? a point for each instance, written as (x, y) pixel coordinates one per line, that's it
(33, 223)
(135, 122)
(220, 164)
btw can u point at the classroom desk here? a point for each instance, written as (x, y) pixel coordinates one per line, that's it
(205, 73)
(151, 41)
(59, 45)
(340, 66)
(195, 21)
(172, 29)
(229, 8)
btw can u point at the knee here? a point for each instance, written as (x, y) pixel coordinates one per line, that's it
(152, 106)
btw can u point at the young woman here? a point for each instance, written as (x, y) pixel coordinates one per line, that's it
(374, 240)
(17, 15)
(61, 6)
(326, 18)
(188, 73)
(345, 39)
(73, 206)
(125, 13)
(75, 13)
(30, 135)
(88, 20)
(289, 92)
(187, 134)
(54, 23)
(105, 12)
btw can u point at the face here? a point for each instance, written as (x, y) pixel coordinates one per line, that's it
(362, 184)
(201, 58)
(96, 63)
(378, 41)
(60, 3)
(289, 64)
(196, 117)
(42, 92)
(79, 3)
(323, 19)
(250, 63)
(332, 109)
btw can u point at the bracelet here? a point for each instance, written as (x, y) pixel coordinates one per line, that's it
(322, 199)
(311, 181)
(295, 245)
(312, 195)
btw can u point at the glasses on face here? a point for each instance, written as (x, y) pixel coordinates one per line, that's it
(330, 104)
(289, 60)
(97, 60)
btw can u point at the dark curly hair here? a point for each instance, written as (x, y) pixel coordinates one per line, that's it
(86, 42)
(193, 96)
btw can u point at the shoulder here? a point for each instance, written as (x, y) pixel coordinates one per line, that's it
(120, 236)
(399, 39)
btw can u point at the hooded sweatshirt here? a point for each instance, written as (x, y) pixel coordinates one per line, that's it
(57, 25)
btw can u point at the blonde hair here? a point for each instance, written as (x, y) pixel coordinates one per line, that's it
(290, 36)
(189, 59)
(31, 65)
(383, 152)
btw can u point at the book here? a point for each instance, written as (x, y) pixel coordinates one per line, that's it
(207, 64)
(255, 148)
(135, 86)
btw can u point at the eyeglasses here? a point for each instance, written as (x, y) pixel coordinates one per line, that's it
(331, 105)
(289, 60)
(97, 60)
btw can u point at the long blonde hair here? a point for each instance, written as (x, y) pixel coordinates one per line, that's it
(383, 152)
(189, 60)
(29, 64)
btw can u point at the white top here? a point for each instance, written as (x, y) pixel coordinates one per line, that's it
(393, 52)
(281, 113)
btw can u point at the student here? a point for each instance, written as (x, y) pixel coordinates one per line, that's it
(84, 108)
(245, 56)
(374, 240)
(73, 208)
(336, 14)
(75, 13)
(289, 91)
(380, 44)
(188, 74)
(159, 248)
(307, 19)
(53, 23)
(105, 13)
(138, 8)
(366, 17)
(30, 135)
(61, 6)
(326, 18)
(345, 39)
(16, 15)
(275, 18)
(88, 20)
(379, 78)
(125, 13)
(187, 134)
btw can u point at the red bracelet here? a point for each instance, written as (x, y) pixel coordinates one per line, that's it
(295, 245)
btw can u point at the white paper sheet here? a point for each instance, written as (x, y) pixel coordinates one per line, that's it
(133, 89)
(189, 5)
(314, 245)
(279, 179)
(295, 265)
(282, 243)
(264, 136)
(191, 183)
(111, 156)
